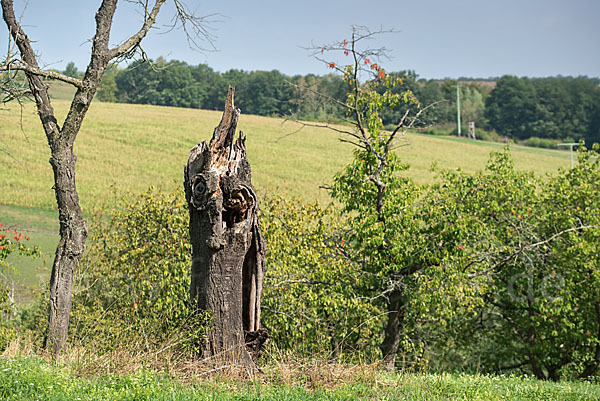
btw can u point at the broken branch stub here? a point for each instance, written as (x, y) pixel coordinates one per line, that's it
(228, 249)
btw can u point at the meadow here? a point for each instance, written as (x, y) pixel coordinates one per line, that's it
(123, 149)
(32, 378)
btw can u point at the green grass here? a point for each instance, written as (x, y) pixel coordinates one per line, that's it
(61, 91)
(34, 379)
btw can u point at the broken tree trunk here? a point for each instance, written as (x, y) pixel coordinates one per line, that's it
(228, 250)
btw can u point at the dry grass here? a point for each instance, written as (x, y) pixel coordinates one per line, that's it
(124, 148)
(278, 369)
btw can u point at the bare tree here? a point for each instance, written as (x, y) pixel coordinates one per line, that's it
(73, 228)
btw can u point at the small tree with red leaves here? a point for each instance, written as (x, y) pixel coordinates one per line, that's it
(377, 200)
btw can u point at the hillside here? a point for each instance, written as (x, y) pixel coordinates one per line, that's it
(125, 148)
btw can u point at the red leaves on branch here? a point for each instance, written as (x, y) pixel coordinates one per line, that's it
(322, 50)
(346, 52)
(381, 74)
(367, 61)
(331, 65)
(345, 43)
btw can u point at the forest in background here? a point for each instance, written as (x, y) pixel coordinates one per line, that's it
(534, 111)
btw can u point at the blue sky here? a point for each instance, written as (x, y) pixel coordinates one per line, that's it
(436, 38)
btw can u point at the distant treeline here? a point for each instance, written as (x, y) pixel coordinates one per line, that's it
(542, 111)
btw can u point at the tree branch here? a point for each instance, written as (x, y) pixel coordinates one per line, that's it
(133, 42)
(17, 65)
(38, 88)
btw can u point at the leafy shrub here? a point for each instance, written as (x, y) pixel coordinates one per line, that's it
(134, 278)
(312, 303)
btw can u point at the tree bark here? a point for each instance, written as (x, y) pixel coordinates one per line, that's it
(393, 330)
(228, 249)
(73, 228)
(73, 234)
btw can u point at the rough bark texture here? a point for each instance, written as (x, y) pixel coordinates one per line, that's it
(393, 330)
(228, 249)
(73, 228)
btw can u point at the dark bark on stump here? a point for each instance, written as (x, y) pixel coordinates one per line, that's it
(228, 250)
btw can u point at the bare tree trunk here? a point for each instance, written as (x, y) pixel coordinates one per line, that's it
(73, 228)
(73, 233)
(228, 248)
(393, 330)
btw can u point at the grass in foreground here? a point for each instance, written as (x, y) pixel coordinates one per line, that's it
(35, 379)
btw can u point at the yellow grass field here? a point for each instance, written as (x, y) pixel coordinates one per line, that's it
(124, 148)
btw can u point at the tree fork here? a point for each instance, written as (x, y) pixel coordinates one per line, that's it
(228, 249)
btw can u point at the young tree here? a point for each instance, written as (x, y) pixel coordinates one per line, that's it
(377, 199)
(532, 246)
(73, 228)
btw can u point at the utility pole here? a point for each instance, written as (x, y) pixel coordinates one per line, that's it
(458, 107)
(570, 145)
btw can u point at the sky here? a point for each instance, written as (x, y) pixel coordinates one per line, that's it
(435, 38)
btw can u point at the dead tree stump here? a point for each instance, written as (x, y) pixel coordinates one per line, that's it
(228, 249)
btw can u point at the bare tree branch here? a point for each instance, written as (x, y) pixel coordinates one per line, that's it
(18, 65)
(133, 42)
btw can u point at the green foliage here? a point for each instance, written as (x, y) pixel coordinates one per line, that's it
(107, 90)
(11, 242)
(159, 83)
(541, 142)
(532, 248)
(553, 108)
(71, 70)
(312, 303)
(133, 280)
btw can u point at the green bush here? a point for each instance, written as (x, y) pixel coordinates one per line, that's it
(541, 142)
(134, 278)
(312, 303)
